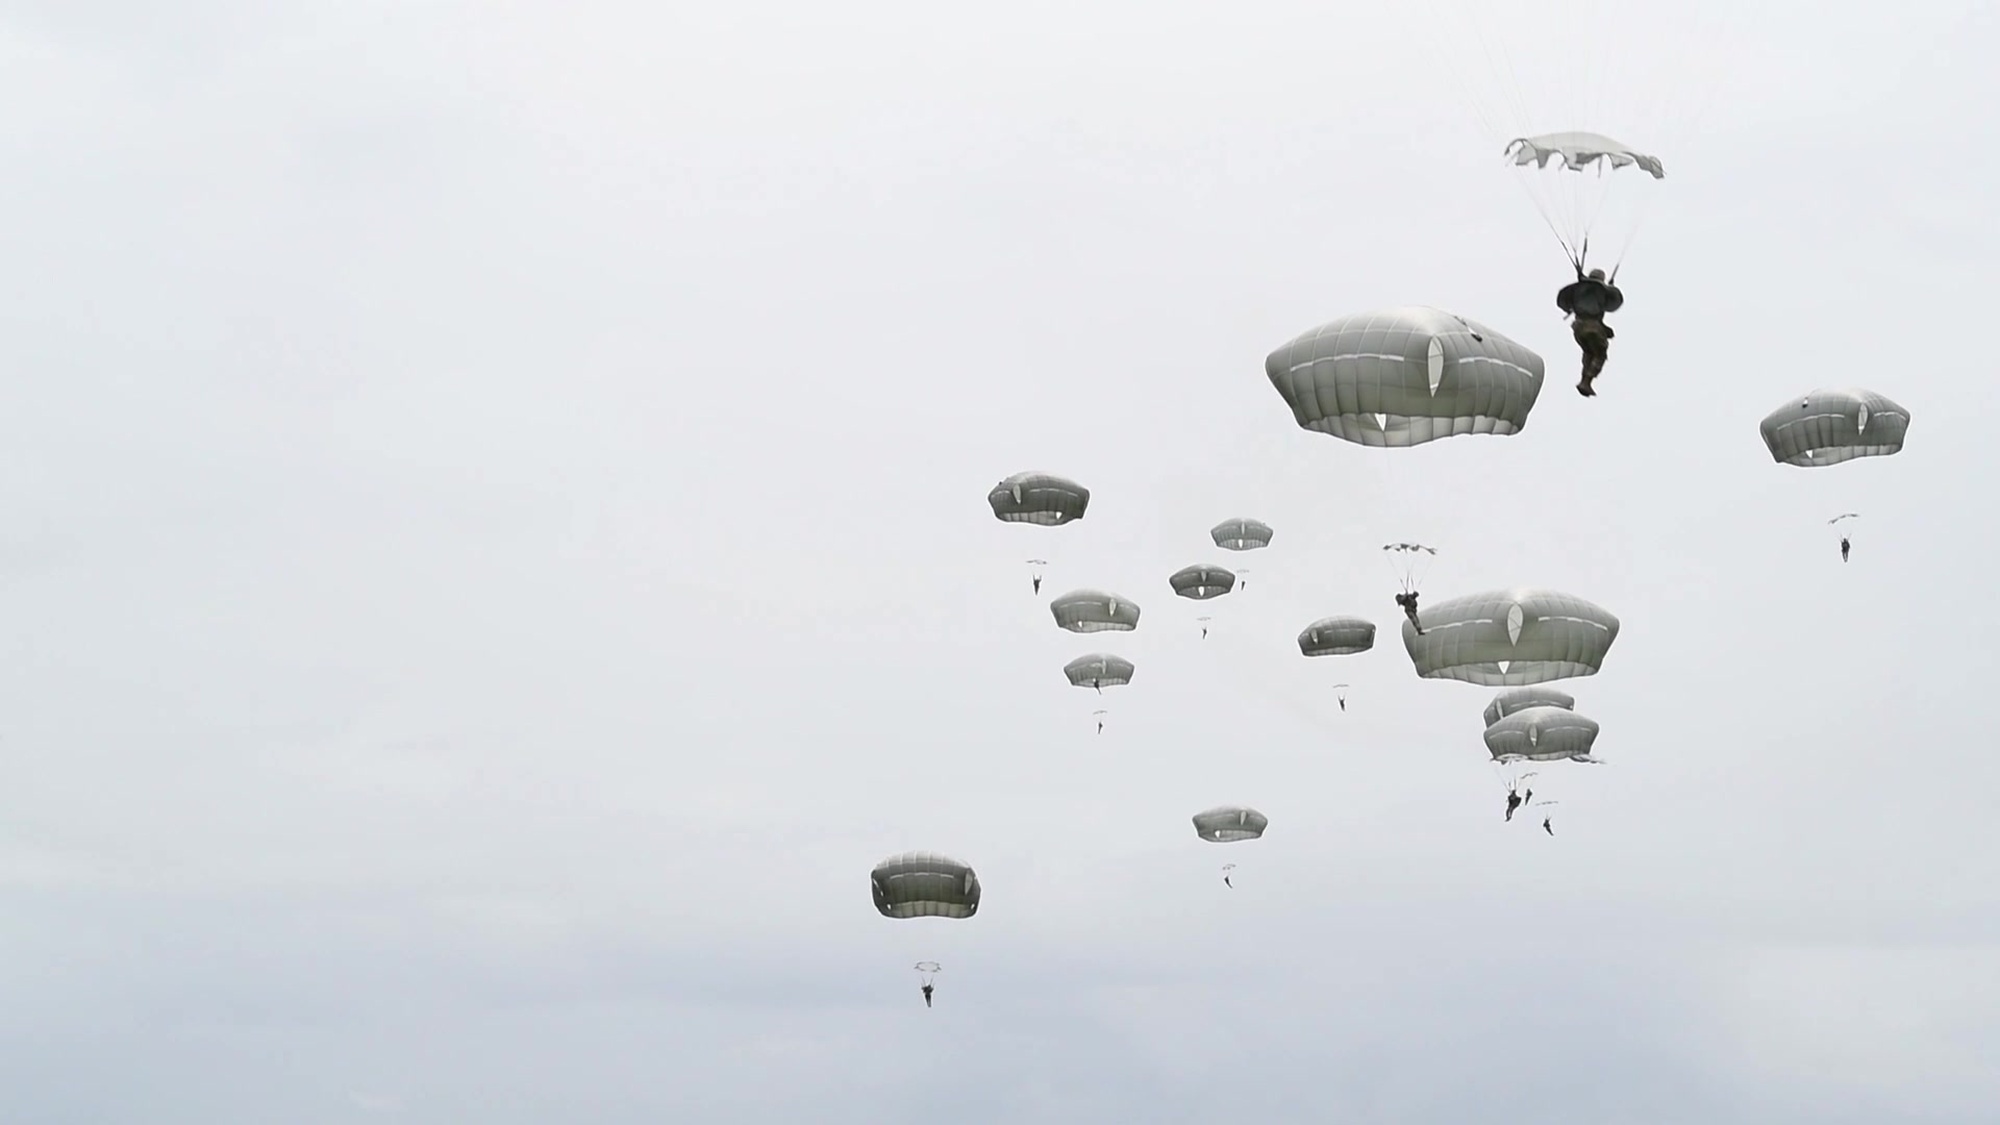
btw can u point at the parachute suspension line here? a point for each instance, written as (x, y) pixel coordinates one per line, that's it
(1442, 38)
(1673, 139)
(1638, 224)
(1498, 102)
(1572, 253)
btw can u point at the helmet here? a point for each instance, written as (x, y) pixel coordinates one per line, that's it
(1597, 275)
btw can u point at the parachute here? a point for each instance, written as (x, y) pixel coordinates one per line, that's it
(1567, 207)
(930, 970)
(1337, 636)
(1567, 96)
(1094, 611)
(924, 885)
(1410, 561)
(1542, 734)
(1099, 670)
(1844, 516)
(1522, 698)
(1405, 377)
(1827, 427)
(1241, 534)
(1578, 151)
(1509, 638)
(1038, 498)
(1202, 582)
(1228, 824)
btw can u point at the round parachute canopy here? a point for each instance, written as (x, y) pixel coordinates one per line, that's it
(1094, 611)
(924, 885)
(1542, 734)
(1522, 698)
(1241, 534)
(1038, 498)
(1202, 582)
(1510, 638)
(1337, 636)
(1827, 427)
(1227, 824)
(1405, 377)
(1099, 670)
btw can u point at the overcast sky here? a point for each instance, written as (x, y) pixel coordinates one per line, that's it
(495, 550)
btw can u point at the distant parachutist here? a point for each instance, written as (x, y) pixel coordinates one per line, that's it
(929, 969)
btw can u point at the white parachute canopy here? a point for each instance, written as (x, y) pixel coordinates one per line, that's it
(1511, 638)
(1229, 824)
(1585, 102)
(1202, 582)
(1571, 175)
(1099, 670)
(1410, 562)
(1043, 499)
(1522, 698)
(1401, 377)
(1241, 534)
(1542, 734)
(1337, 636)
(1831, 426)
(1095, 611)
(924, 885)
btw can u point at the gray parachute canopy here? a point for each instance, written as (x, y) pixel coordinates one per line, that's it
(1827, 427)
(1578, 151)
(1337, 636)
(1039, 498)
(1522, 698)
(1202, 582)
(1226, 824)
(1510, 638)
(924, 885)
(1406, 376)
(1542, 734)
(1241, 534)
(1094, 611)
(1099, 670)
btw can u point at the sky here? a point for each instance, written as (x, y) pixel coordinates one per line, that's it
(496, 551)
